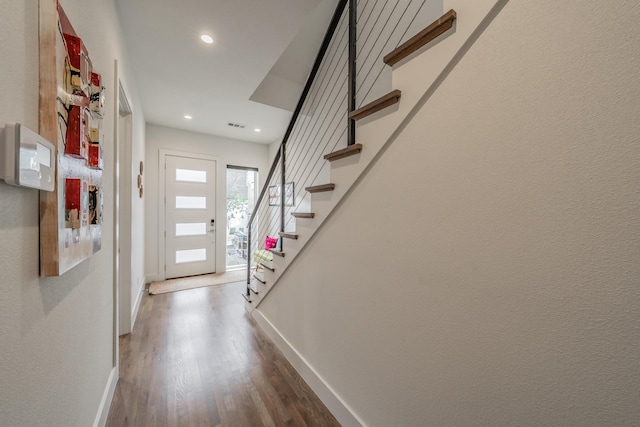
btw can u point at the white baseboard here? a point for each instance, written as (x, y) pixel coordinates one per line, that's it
(107, 398)
(136, 305)
(327, 395)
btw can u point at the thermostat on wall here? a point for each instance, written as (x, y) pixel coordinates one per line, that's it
(26, 158)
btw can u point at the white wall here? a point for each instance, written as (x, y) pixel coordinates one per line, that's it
(131, 227)
(137, 210)
(487, 270)
(56, 334)
(227, 151)
(274, 147)
(132, 210)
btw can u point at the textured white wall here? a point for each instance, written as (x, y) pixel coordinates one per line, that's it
(56, 334)
(487, 270)
(228, 152)
(137, 209)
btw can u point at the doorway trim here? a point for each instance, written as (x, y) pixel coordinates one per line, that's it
(221, 185)
(124, 121)
(120, 101)
(122, 200)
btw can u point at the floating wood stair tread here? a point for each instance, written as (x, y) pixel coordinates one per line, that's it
(345, 152)
(321, 188)
(373, 107)
(288, 235)
(245, 296)
(303, 214)
(259, 279)
(278, 253)
(435, 29)
(253, 290)
(267, 267)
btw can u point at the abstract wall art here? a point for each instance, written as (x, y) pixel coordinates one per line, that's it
(71, 112)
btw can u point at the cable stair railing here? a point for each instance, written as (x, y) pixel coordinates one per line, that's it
(262, 220)
(347, 83)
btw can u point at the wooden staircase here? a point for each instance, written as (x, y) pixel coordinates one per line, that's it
(351, 150)
(321, 188)
(432, 32)
(277, 253)
(303, 214)
(446, 41)
(288, 235)
(381, 103)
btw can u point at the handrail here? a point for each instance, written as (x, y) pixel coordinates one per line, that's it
(303, 96)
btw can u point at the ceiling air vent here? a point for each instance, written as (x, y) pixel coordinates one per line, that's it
(236, 125)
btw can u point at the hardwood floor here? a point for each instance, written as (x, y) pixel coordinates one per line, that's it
(195, 358)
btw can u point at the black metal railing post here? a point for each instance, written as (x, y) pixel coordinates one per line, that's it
(283, 179)
(351, 138)
(249, 262)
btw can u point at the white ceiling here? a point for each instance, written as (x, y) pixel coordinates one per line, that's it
(263, 50)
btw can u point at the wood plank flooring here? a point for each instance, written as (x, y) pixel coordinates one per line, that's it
(195, 358)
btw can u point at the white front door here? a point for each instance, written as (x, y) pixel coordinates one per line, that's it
(190, 209)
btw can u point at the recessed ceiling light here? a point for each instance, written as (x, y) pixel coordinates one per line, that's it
(257, 130)
(206, 38)
(188, 117)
